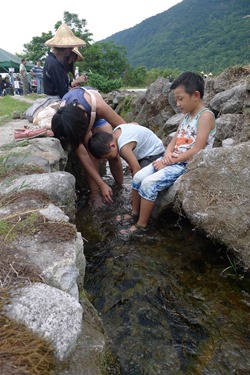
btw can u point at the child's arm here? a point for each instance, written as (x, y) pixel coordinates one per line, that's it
(127, 154)
(84, 158)
(206, 123)
(168, 156)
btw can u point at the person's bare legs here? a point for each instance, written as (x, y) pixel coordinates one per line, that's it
(146, 208)
(145, 212)
(136, 201)
(115, 166)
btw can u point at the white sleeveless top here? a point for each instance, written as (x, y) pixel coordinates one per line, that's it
(187, 133)
(147, 142)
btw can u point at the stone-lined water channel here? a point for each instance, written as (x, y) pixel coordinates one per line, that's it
(171, 302)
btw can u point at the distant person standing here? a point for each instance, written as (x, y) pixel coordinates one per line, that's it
(37, 73)
(24, 76)
(17, 87)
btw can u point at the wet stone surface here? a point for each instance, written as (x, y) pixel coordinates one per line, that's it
(171, 301)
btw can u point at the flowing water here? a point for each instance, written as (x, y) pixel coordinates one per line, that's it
(171, 301)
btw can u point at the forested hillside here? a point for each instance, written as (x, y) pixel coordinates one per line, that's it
(208, 35)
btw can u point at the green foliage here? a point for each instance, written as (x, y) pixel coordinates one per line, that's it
(126, 106)
(139, 76)
(106, 59)
(197, 35)
(35, 49)
(208, 35)
(103, 84)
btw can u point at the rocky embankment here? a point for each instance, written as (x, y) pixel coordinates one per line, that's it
(214, 192)
(42, 257)
(42, 253)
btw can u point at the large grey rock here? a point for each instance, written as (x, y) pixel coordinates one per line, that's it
(234, 125)
(58, 186)
(229, 101)
(214, 194)
(51, 313)
(61, 263)
(45, 154)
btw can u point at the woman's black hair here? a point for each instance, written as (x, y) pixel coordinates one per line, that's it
(70, 124)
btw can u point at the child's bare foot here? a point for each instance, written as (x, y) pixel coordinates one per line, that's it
(135, 229)
(127, 218)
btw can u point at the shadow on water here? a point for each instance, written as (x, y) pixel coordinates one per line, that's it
(164, 299)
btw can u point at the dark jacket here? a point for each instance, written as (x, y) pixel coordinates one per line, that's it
(55, 77)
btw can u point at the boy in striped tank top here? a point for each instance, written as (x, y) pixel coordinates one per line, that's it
(195, 132)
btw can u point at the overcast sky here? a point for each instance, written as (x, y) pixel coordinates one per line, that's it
(104, 18)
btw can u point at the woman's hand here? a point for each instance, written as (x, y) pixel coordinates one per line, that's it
(107, 192)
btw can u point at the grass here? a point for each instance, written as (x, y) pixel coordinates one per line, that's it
(9, 104)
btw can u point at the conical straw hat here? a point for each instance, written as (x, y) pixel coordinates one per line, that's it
(64, 38)
(79, 55)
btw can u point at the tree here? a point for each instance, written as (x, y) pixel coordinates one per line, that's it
(106, 59)
(35, 49)
(105, 62)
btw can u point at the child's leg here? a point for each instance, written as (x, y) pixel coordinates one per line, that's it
(150, 187)
(145, 212)
(160, 180)
(136, 202)
(136, 184)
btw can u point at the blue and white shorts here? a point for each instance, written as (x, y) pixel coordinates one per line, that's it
(149, 181)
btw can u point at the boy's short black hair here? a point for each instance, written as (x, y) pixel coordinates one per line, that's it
(70, 124)
(191, 82)
(98, 144)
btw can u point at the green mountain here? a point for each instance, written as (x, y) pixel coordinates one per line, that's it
(208, 35)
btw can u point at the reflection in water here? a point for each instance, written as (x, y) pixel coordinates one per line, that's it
(164, 301)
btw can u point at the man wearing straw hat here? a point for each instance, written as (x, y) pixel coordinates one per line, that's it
(55, 77)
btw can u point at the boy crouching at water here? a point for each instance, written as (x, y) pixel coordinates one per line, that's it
(136, 144)
(195, 132)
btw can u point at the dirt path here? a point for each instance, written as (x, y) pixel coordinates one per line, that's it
(7, 130)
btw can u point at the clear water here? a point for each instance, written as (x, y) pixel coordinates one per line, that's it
(171, 301)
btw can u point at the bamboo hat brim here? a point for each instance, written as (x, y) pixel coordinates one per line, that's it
(79, 55)
(64, 38)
